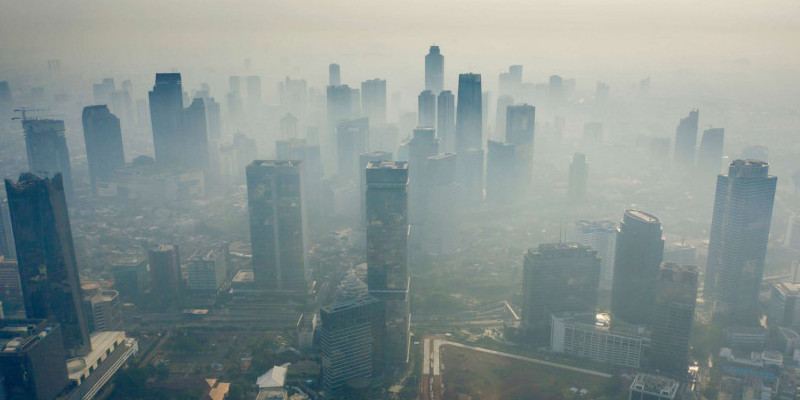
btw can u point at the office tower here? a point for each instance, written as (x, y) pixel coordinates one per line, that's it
(738, 242)
(205, 272)
(47, 150)
(102, 91)
(578, 176)
(278, 226)
(32, 361)
(434, 70)
(334, 75)
(213, 114)
(166, 104)
(339, 105)
(349, 339)
(288, 126)
(511, 81)
(387, 252)
(122, 105)
(103, 309)
(602, 93)
(672, 318)
(686, 139)
(355, 103)
(601, 236)
(593, 133)
(470, 175)
(245, 150)
(445, 120)
(6, 101)
(469, 114)
(46, 256)
(426, 109)
(653, 387)
(503, 102)
(637, 257)
(556, 278)
(442, 201)
(234, 99)
(165, 270)
(520, 123)
(363, 160)
(784, 307)
(555, 89)
(103, 138)
(373, 101)
(501, 169)
(352, 139)
(590, 335)
(10, 287)
(298, 149)
(254, 92)
(194, 144)
(6, 233)
(423, 145)
(709, 158)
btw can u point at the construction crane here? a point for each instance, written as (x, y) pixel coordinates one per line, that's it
(23, 113)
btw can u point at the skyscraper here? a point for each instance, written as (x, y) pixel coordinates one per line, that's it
(442, 202)
(339, 106)
(557, 277)
(6, 233)
(434, 70)
(103, 138)
(426, 109)
(102, 91)
(672, 318)
(445, 120)
(166, 104)
(738, 242)
(373, 101)
(363, 161)
(334, 75)
(520, 123)
(352, 139)
(686, 139)
(709, 158)
(278, 226)
(501, 171)
(421, 146)
(32, 361)
(47, 150)
(601, 236)
(387, 251)
(165, 270)
(511, 81)
(254, 92)
(578, 176)
(640, 248)
(46, 256)
(470, 175)
(193, 147)
(503, 102)
(469, 114)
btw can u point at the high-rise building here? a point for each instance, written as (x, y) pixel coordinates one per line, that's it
(47, 150)
(445, 120)
(503, 102)
(194, 147)
(6, 101)
(555, 90)
(6, 232)
(373, 101)
(601, 236)
(334, 75)
(434, 70)
(10, 288)
(294, 95)
(48, 269)
(423, 145)
(165, 270)
(205, 272)
(254, 92)
(387, 252)
(686, 139)
(340, 107)
(289, 126)
(501, 168)
(520, 122)
(470, 175)
(784, 307)
(426, 109)
(349, 339)
(578, 176)
(638, 255)
(709, 159)
(103, 138)
(672, 318)
(103, 310)
(33, 363)
(739, 235)
(131, 277)
(590, 335)
(556, 278)
(352, 139)
(102, 91)
(278, 226)
(166, 104)
(511, 82)
(442, 201)
(469, 113)
(363, 160)
(299, 149)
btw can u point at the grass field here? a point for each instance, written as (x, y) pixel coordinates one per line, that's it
(473, 375)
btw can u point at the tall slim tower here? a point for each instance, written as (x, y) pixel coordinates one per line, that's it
(103, 138)
(47, 150)
(426, 109)
(334, 75)
(469, 114)
(421, 146)
(709, 158)
(601, 236)
(445, 120)
(673, 315)
(640, 248)
(686, 139)
(166, 104)
(501, 171)
(48, 269)
(739, 234)
(578, 176)
(278, 226)
(387, 251)
(434, 70)
(520, 122)
(373, 101)
(165, 270)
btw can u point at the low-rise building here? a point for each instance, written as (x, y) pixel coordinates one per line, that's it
(588, 335)
(653, 387)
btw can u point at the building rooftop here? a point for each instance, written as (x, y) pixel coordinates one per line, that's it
(655, 384)
(787, 288)
(387, 165)
(275, 163)
(101, 341)
(642, 216)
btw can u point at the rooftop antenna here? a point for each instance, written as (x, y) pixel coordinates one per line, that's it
(23, 113)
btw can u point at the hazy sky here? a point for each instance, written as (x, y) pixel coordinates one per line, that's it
(384, 38)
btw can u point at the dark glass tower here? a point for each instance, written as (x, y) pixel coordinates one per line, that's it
(47, 150)
(434, 70)
(103, 138)
(686, 139)
(520, 121)
(48, 270)
(387, 252)
(426, 109)
(640, 248)
(445, 120)
(739, 235)
(166, 104)
(278, 225)
(334, 75)
(673, 315)
(469, 114)
(165, 270)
